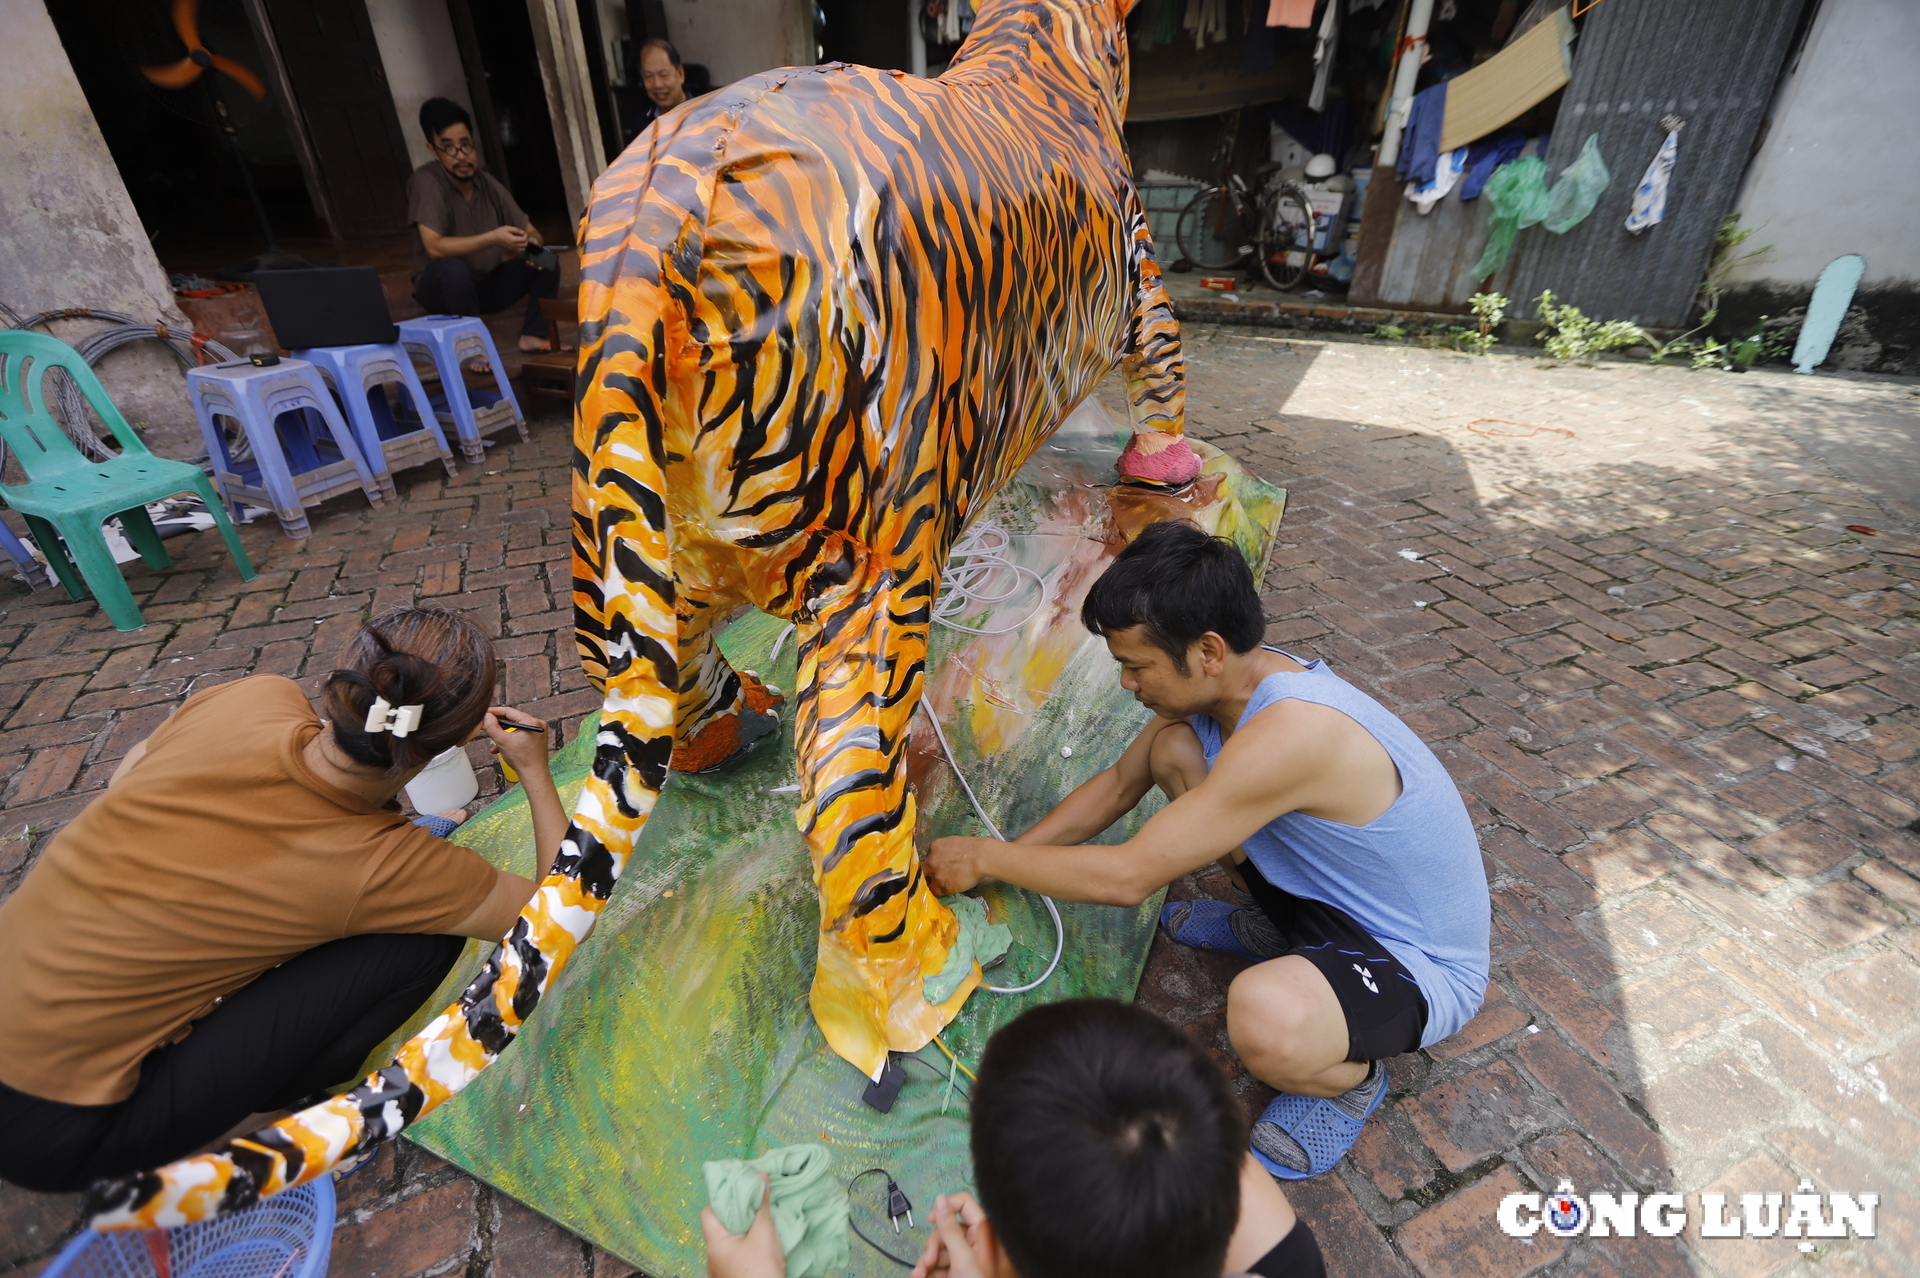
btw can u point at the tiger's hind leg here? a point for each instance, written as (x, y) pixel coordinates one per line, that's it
(1158, 454)
(721, 712)
(882, 931)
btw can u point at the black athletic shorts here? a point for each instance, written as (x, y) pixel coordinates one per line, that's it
(1295, 1256)
(1386, 1012)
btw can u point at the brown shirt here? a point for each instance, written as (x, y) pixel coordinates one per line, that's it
(215, 857)
(435, 202)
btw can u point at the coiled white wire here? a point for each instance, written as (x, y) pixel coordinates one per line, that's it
(967, 582)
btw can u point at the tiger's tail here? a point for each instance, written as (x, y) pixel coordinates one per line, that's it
(627, 632)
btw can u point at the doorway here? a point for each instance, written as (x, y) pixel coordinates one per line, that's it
(496, 40)
(867, 33)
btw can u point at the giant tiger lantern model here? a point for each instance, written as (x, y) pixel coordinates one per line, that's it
(825, 313)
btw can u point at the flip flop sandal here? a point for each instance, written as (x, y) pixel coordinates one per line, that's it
(1203, 925)
(1324, 1130)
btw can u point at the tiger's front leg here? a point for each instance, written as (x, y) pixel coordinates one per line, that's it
(882, 931)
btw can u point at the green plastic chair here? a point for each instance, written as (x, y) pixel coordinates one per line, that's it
(67, 494)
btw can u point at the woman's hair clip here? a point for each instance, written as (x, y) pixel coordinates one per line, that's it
(399, 720)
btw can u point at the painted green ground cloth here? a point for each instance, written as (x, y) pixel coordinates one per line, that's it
(681, 1032)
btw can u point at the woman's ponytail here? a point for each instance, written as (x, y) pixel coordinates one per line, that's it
(426, 657)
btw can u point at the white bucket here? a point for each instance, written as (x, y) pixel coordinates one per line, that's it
(446, 783)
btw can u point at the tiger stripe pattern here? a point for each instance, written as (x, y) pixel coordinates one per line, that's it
(826, 313)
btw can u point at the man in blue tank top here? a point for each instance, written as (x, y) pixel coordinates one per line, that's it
(1366, 911)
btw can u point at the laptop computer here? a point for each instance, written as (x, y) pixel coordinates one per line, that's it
(326, 306)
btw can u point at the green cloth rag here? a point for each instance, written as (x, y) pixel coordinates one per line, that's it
(809, 1204)
(979, 941)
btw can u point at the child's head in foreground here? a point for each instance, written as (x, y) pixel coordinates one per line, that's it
(1106, 1142)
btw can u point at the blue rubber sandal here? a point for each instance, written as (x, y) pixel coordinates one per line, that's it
(1321, 1128)
(1203, 925)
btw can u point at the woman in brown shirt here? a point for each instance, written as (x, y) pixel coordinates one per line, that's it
(244, 914)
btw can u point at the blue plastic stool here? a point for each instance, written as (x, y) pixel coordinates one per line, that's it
(303, 450)
(289, 1235)
(446, 342)
(29, 568)
(389, 440)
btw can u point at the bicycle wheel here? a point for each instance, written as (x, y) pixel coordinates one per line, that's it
(1211, 233)
(1286, 237)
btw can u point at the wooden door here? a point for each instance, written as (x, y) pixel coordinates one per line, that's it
(340, 87)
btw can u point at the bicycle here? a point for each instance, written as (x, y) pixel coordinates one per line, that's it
(1225, 223)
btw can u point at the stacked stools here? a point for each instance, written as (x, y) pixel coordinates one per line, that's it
(300, 449)
(447, 342)
(389, 441)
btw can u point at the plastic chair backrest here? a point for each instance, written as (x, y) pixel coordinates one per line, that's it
(31, 432)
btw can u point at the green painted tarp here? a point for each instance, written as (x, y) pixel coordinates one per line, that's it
(681, 1034)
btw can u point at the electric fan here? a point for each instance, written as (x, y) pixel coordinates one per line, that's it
(182, 75)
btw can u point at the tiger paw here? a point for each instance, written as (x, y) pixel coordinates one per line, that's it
(1159, 460)
(727, 737)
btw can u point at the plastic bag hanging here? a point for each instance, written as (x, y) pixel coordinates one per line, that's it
(1517, 196)
(1578, 190)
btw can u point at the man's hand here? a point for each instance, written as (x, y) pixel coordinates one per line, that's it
(952, 864)
(511, 238)
(959, 1246)
(754, 1254)
(533, 236)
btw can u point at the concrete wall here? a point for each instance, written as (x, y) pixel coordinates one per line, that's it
(422, 61)
(734, 39)
(1839, 172)
(68, 233)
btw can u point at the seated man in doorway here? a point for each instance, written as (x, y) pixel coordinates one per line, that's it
(1367, 915)
(474, 249)
(664, 77)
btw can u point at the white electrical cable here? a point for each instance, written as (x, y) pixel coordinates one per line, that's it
(965, 585)
(1059, 928)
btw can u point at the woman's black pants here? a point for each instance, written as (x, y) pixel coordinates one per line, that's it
(293, 1031)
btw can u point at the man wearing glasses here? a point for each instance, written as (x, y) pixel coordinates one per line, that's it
(474, 251)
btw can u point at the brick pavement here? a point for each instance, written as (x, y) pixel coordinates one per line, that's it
(1679, 696)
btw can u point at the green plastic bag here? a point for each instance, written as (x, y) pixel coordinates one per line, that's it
(1578, 190)
(1517, 196)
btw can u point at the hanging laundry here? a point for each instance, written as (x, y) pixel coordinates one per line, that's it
(1206, 22)
(1488, 154)
(1446, 172)
(1650, 197)
(1511, 82)
(1324, 49)
(1420, 140)
(1166, 27)
(1290, 13)
(1256, 48)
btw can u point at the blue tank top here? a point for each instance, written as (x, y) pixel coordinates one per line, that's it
(1412, 878)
